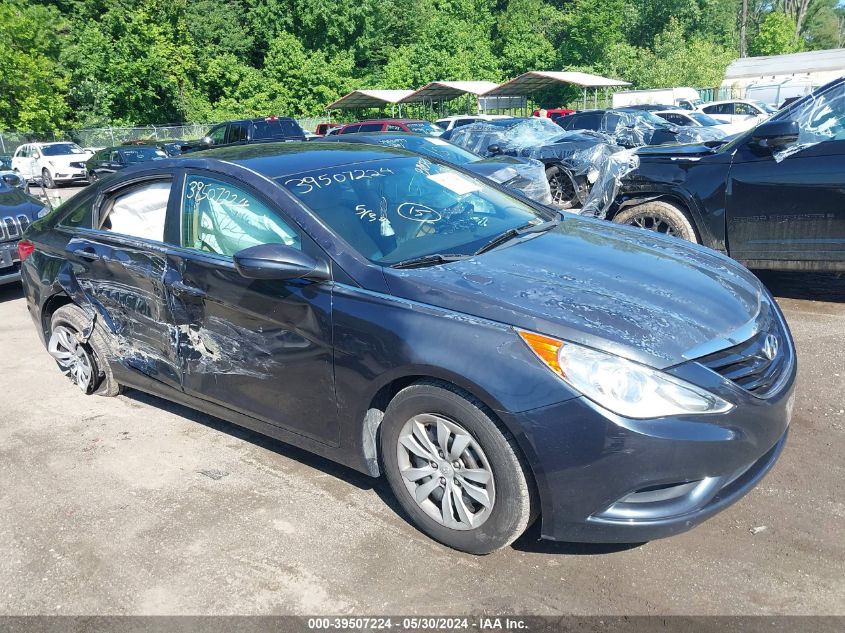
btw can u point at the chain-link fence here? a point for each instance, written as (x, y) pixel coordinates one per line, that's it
(110, 136)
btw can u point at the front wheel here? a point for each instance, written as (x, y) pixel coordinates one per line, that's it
(47, 179)
(659, 216)
(562, 186)
(455, 470)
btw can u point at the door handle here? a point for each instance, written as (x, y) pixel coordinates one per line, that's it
(82, 248)
(181, 288)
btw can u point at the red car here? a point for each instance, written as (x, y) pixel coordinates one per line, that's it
(392, 125)
(554, 113)
(324, 128)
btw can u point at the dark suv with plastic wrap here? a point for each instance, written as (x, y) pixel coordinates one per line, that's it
(17, 211)
(773, 198)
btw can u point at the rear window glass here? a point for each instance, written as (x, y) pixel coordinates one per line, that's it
(279, 128)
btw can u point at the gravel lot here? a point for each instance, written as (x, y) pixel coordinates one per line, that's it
(133, 505)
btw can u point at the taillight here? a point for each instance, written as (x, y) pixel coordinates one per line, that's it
(25, 249)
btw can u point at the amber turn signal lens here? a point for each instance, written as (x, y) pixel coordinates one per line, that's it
(545, 347)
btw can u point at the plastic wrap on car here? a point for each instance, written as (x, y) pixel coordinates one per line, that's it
(634, 129)
(583, 153)
(819, 120)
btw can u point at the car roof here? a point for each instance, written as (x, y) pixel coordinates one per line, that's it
(387, 121)
(274, 160)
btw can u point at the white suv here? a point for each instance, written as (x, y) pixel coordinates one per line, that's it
(52, 162)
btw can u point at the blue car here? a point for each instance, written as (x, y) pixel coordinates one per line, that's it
(495, 361)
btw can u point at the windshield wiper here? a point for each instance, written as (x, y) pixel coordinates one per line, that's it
(428, 260)
(519, 231)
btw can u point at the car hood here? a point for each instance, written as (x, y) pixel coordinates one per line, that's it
(624, 290)
(67, 159)
(14, 202)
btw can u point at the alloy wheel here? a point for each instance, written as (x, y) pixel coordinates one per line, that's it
(656, 224)
(445, 471)
(74, 360)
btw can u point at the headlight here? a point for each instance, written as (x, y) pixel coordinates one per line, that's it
(44, 211)
(626, 388)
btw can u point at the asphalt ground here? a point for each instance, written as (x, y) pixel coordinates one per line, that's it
(134, 505)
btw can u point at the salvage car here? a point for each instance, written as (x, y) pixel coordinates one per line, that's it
(523, 175)
(774, 197)
(631, 127)
(111, 159)
(17, 211)
(573, 160)
(493, 359)
(50, 163)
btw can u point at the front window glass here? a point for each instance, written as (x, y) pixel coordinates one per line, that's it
(402, 208)
(217, 134)
(61, 149)
(220, 218)
(821, 117)
(424, 127)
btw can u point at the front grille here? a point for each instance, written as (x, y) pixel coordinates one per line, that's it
(12, 228)
(757, 364)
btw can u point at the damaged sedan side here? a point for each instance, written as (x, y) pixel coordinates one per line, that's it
(494, 359)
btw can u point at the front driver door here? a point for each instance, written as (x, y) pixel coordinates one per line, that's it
(790, 207)
(263, 348)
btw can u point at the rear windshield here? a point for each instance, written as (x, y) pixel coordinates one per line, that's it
(279, 128)
(140, 154)
(61, 149)
(424, 127)
(430, 146)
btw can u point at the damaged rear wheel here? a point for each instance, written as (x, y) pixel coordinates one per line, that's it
(81, 359)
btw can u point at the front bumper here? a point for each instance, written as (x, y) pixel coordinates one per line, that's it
(69, 175)
(603, 478)
(10, 268)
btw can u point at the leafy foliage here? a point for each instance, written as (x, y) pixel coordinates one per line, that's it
(77, 63)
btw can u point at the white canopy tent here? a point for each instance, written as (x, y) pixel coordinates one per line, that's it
(532, 81)
(361, 99)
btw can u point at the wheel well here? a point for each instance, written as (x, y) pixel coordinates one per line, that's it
(382, 398)
(50, 306)
(665, 197)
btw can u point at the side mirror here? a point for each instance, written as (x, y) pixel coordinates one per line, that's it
(206, 140)
(775, 134)
(494, 149)
(12, 180)
(277, 261)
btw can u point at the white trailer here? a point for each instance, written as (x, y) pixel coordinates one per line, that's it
(686, 98)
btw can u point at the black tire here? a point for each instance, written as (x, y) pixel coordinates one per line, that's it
(92, 177)
(515, 503)
(660, 216)
(73, 318)
(563, 188)
(47, 179)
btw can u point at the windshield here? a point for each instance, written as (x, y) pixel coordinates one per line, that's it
(400, 208)
(424, 127)
(652, 118)
(140, 154)
(430, 146)
(703, 118)
(765, 107)
(61, 149)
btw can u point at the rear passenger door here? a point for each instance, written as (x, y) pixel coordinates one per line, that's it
(258, 347)
(119, 260)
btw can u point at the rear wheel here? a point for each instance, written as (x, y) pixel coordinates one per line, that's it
(457, 473)
(84, 362)
(659, 216)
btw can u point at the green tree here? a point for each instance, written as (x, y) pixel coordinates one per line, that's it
(33, 84)
(776, 36)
